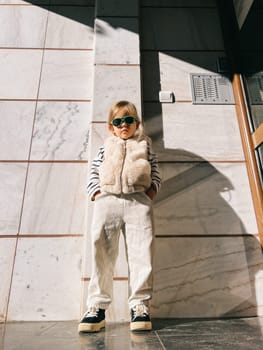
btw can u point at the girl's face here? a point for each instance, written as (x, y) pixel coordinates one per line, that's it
(124, 131)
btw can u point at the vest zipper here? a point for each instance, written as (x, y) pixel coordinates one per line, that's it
(123, 165)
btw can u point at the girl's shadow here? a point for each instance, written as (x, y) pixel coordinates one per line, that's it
(206, 264)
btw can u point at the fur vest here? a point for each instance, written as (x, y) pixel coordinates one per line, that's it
(125, 168)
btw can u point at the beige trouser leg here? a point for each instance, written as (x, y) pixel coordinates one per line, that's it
(133, 215)
(138, 233)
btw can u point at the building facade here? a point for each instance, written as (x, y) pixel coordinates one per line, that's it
(193, 71)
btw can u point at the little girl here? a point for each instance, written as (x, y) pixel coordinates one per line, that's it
(124, 178)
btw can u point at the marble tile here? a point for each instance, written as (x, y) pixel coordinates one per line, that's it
(66, 75)
(204, 199)
(7, 252)
(117, 8)
(55, 199)
(17, 23)
(117, 41)
(170, 71)
(42, 335)
(61, 131)
(114, 83)
(183, 131)
(20, 72)
(98, 133)
(29, 335)
(118, 335)
(118, 310)
(47, 279)
(63, 335)
(162, 29)
(227, 334)
(179, 3)
(207, 277)
(15, 129)
(12, 183)
(70, 27)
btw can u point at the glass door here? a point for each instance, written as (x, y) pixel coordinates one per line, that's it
(254, 92)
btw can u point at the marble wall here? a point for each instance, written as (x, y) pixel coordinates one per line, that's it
(57, 83)
(46, 70)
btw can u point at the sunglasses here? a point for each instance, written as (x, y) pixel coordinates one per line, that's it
(127, 119)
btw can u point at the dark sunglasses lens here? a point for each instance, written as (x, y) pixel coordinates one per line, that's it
(116, 122)
(129, 120)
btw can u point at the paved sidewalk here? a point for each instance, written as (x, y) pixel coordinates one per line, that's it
(170, 334)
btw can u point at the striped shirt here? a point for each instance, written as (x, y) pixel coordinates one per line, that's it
(94, 181)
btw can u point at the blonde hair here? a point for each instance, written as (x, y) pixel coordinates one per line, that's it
(128, 109)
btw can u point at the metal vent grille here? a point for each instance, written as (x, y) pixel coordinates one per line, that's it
(211, 89)
(255, 89)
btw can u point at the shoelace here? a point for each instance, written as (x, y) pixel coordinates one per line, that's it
(92, 311)
(140, 310)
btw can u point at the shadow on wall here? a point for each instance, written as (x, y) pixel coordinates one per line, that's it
(71, 9)
(210, 266)
(76, 11)
(247, 43)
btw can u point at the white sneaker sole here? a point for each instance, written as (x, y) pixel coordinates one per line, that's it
(141, 326)
(91, 327)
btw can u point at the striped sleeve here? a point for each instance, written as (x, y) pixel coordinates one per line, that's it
(155, 173)
(93, 185)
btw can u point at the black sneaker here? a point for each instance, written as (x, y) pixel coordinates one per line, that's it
(140, 319)
(93, 320)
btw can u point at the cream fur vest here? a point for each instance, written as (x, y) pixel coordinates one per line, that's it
(125, 168)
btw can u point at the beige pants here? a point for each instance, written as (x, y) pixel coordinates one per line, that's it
(132, 215)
